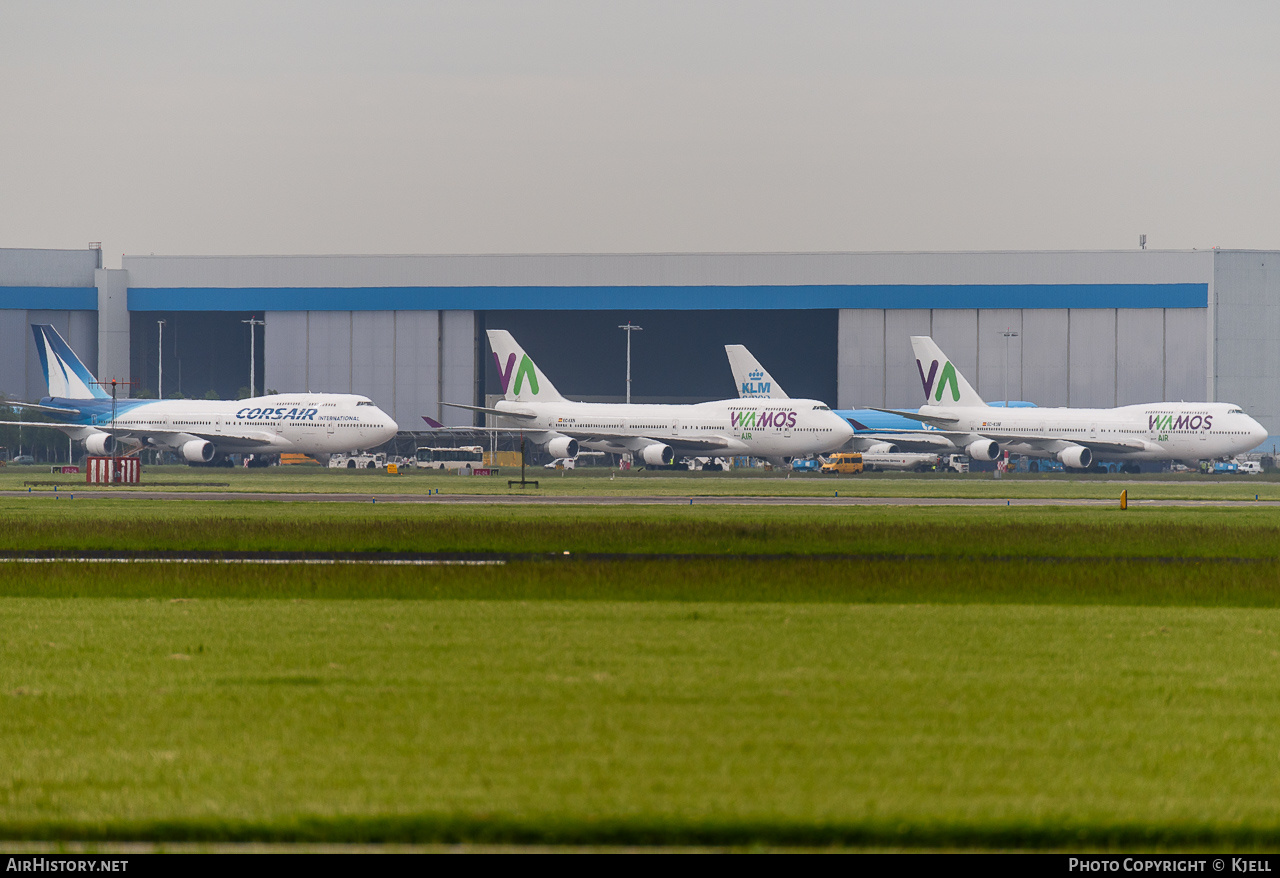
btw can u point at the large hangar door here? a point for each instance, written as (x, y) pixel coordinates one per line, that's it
(677, 357)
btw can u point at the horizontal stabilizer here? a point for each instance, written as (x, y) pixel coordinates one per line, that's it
(66, 410)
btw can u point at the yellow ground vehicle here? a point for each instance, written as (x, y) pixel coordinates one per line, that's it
(849, 463)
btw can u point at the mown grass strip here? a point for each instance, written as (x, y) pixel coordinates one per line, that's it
(639, 722)
(594, 482)
(771, 580)
(141, 526)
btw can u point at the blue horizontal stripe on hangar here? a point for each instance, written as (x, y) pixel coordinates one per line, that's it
(49, 298)
(669, 298)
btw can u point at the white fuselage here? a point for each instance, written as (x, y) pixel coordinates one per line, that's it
(767, 428)
(304, 423)
(1154, 431)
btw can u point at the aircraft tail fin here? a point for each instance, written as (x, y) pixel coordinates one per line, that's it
(943, 384)
(522, 380)
(751, 378)
(66, 376)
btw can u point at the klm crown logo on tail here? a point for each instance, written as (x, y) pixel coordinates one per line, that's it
(752, 379)
(755, 385)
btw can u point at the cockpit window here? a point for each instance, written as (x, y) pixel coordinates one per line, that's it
(821, 408)
(365, 402)
(1235, 411)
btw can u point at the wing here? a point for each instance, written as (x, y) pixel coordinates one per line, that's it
(916, 440)
(489, 411)
(58, 425)
(916, 416)
(1053, 444)
(13, 403)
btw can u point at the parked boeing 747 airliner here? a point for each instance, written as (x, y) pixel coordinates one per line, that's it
(773, 429)
(1186, 431)
(874, 431)
(317, 424)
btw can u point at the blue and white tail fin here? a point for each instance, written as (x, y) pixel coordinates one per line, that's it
(67, 377)
(752, 379)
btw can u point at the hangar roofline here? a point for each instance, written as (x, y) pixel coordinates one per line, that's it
(635, 253)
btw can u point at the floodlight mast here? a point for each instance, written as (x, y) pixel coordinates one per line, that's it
(628, 329)
(1008, 334)
(253, 321)
(160, 375)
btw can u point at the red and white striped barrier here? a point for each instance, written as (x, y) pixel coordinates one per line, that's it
(113, 470)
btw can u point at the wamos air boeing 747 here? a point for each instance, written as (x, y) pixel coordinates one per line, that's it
(317, 424)
(773, 429)
(1186, 431)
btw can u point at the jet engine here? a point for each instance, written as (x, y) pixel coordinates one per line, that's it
(882, 448)
(563, 446)
(1076, 457)
(100, 443)
(983, 449)
(657, 454)
(197, 451)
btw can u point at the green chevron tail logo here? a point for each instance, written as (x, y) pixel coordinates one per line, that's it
(948, 377)
(525, 370)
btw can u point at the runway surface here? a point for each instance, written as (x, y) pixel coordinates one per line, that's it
(615, 500)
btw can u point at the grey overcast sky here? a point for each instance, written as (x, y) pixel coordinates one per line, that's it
(485, 126)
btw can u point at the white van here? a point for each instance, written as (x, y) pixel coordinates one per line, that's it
(1249, 467)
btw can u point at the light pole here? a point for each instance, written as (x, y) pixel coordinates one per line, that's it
(253, 321)
(160, 376)
(1008, 334)
(629, 328)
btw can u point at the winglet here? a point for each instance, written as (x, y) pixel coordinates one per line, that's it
(433, 423)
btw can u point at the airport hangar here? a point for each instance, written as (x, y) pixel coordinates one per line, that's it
(1094, 328)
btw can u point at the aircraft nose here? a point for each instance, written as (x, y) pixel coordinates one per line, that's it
(1258, 433)
(844, 428)
(389, 427)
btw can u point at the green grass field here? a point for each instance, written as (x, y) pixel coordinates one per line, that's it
(639, 722)
(39, 524)
(955, 678)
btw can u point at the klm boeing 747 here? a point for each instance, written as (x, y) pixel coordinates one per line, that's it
(874, 431)
(317, 424)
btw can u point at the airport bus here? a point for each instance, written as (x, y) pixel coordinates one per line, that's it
(450, 458)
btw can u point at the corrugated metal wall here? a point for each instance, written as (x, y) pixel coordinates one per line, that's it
(1247, 316)
(20, 374)
(1078, 357)
(47, 268)
(407, 362)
